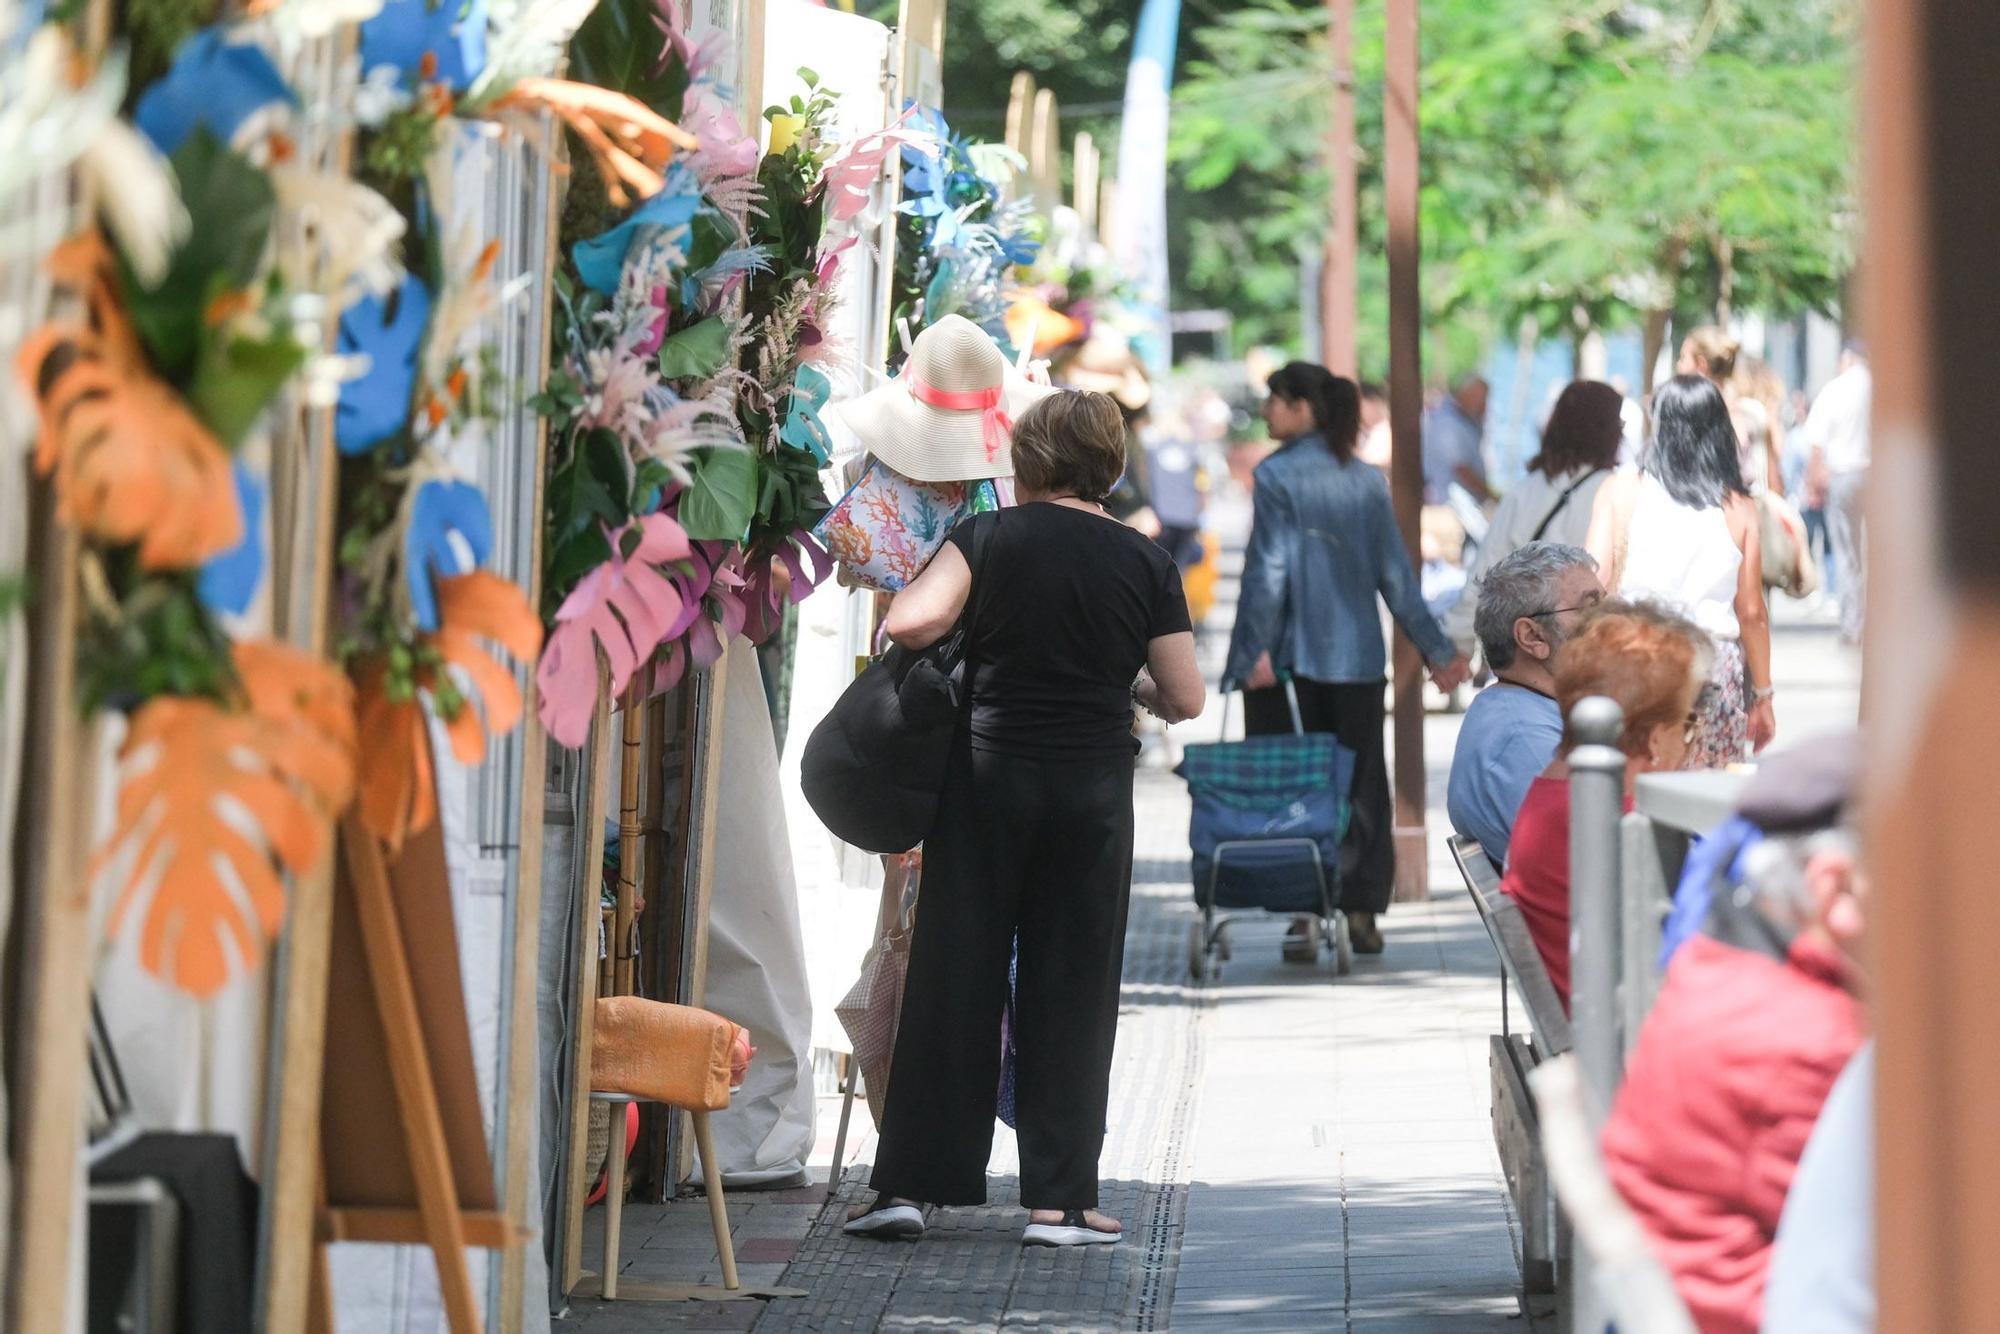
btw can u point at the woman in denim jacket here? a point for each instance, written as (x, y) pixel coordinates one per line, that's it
(1323, 545)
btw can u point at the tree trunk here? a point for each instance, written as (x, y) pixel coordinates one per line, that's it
(1656, 320)
(1725, 286)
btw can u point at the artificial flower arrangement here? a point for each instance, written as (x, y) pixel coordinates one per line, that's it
(960, 241)
(420, 610)
(686, 441)
(238, 753)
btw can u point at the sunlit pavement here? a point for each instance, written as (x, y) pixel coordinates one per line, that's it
(1288, 1151)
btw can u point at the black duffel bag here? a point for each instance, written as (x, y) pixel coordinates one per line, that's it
(874, 767)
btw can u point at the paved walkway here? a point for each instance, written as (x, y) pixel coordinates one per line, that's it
(1288, 1151)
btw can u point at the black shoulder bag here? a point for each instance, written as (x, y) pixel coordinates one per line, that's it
(874, 767)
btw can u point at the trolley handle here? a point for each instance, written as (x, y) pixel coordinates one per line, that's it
(1230, 689)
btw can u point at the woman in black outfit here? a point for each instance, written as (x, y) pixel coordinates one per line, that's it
(1076, 619)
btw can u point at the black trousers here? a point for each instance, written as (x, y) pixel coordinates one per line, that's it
(1042, 848)
(1353, 712)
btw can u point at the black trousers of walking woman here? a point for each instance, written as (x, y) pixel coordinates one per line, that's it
(1353, 712)
(1042, 847)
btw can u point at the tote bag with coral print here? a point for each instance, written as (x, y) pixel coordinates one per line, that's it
(885, 530)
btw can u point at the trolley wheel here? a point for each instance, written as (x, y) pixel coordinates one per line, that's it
(1343, 946)
(1222, 949)
(1197, 951)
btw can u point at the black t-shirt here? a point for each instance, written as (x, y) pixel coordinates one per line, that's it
(1068, 602)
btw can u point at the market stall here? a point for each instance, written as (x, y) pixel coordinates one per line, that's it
(423, 423)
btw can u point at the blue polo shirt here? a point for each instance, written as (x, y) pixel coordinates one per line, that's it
(1508, 737)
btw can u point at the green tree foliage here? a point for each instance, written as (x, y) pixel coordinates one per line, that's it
(1077, 48)
(1586, 164)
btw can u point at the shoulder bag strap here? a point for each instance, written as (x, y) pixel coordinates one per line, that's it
(1562, 501)
(968, 658)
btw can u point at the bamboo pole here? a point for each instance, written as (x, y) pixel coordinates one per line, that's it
(707, 802)
(53, 917)
(520, 1174)
(631, 842)
(289, 1247)
(56, 954)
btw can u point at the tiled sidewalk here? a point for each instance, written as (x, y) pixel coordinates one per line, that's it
(1287, 1152)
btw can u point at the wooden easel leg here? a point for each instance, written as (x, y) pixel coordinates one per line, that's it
(614, 1200)
(416, 1094)
(718, 1207)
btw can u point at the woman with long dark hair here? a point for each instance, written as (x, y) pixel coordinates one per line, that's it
(1683, 530)
(1323, 543)
(1552, 503)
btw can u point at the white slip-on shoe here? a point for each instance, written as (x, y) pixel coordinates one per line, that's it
(888, 1222)
(1074, 1230)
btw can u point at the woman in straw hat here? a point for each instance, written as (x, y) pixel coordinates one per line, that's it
(948, 416)
(1075, 619)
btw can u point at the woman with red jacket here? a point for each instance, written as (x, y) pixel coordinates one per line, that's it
(1652, 662)
(1754, 1022)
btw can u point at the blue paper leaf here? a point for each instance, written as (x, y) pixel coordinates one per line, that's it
(452, 30)
(440, 511)
(601, 259)
(375, 406)
(228, 582)
(211, 83)
(803, 428)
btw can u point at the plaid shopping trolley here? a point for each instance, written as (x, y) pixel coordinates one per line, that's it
(1269, 813)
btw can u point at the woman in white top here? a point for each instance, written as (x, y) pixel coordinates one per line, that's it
(1683, 530)
(1552, 503)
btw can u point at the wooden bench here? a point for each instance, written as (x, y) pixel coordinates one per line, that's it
(1511, 1056)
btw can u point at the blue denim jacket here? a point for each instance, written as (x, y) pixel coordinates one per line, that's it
(1323, 543)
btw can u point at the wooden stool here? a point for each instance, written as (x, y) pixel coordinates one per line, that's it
(614, 1194)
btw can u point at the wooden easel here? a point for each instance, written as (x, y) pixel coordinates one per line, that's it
(399, 1053)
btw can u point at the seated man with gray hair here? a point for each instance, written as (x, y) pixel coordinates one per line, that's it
(1529, 605)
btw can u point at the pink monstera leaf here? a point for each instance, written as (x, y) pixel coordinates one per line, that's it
(851, 175)
(766, 595)
(625, 607)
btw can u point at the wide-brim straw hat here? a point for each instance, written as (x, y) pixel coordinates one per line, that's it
(949, 415)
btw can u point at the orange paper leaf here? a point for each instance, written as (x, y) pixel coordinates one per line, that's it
(131, 462)
(396, 788)
(194, 770)
(631, 142)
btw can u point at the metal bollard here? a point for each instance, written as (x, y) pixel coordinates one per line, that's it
(1596, 803)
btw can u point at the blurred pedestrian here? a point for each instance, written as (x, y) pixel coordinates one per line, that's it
(1374, 447)
(1323, 544)
(1653, 662)
(1552, 502)
(1077, 620)
(1717, 355)
(1454, 444)
(1683, 530)
(1837, 433)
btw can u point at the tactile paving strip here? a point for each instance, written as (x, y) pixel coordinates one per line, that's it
(970, 1271)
